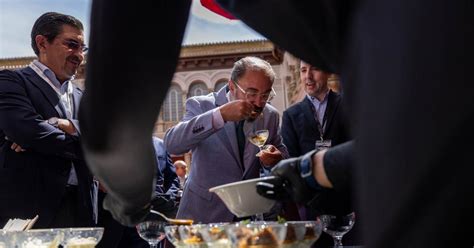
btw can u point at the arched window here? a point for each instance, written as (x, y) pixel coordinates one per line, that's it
(221, 83)
(198, 89)
(173, 106)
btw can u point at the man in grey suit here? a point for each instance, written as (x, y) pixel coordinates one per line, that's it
(213, 129)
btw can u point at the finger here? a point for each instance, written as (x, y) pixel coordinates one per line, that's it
(272, 189)
(271, 148)
(13, 146)
(18, 149)
(266, 190)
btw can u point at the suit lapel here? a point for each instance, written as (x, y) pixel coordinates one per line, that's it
(333, 103)
(77, 94)
(46, 89)
(308, 114)
(228, 137)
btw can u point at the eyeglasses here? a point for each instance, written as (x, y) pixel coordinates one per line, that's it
(251, 95)
(74, 45)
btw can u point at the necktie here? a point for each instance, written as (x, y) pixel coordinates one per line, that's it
(240, 138)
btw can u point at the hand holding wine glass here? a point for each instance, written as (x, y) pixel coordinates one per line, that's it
(258, 138)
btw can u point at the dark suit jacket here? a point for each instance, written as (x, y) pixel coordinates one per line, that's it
(33, 182)
(167, 181)
(299, 127)
(300, 132)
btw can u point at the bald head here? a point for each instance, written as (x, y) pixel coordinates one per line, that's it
(180, 167)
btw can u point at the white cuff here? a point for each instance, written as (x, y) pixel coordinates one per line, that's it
(217, 120)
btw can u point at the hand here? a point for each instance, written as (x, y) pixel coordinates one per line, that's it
(288, 183)
(66, 126)
(126, 215)
(270, 155)
(16, 147)
(236, 110)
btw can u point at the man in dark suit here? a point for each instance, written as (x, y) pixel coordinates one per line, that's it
(42, 170)
(317, 122)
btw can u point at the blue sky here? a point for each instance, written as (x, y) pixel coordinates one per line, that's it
(17, 18)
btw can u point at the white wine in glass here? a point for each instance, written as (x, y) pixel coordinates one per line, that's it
(259, 138)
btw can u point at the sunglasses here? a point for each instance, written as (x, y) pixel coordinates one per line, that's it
(74, 45)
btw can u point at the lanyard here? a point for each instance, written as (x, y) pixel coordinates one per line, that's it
(321, 128)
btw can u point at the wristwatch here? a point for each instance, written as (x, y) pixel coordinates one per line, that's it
(54, 121)
(306, 169)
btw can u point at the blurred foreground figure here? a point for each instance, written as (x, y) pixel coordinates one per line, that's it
(124, 94)
(399, 57)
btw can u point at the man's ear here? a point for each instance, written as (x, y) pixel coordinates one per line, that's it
(41, 42)
(231, 86)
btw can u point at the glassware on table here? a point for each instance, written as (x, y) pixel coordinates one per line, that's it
(215, 235)
(337, 226)
(85, 237)
(191, 236)
(302, 234)
(260, 234)
(8, 238)
(173, 236)
(39, 238)
(152, 231)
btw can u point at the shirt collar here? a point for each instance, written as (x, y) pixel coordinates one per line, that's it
(314, 99)
(51, 76)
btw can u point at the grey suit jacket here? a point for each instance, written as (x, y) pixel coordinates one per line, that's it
(215, 155)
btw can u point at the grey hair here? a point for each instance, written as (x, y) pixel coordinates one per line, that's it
(254, 64)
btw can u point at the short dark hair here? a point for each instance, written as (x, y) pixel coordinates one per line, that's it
(50, 25)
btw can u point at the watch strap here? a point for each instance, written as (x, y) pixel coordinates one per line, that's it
(306, 169)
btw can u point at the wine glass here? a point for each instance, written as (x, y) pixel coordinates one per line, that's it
(152, 232)
(337, 226)
(259, 138)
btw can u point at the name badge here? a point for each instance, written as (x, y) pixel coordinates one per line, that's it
(323, 144)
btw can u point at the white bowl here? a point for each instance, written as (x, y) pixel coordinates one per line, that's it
(242, 199)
